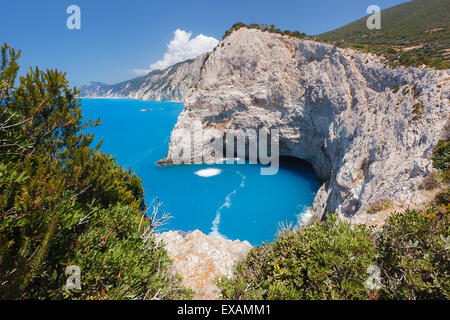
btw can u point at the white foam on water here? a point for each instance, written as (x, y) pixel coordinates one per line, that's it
(303, 217)
(216, 222)
(206, 173)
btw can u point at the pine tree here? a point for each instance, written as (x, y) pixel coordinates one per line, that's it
(54, 186)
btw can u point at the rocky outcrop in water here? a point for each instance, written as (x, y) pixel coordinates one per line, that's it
(367, 129)
(170, 84)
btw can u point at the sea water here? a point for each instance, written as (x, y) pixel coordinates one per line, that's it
(233, 201)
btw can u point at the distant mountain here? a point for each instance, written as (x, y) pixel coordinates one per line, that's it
(170, 84)
(413, 33)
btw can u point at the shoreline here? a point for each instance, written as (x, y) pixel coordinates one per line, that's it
(125, 98)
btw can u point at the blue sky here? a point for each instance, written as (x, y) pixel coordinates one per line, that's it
(117, 37)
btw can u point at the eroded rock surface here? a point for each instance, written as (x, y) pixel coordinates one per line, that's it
(199, 259)
(367, 129)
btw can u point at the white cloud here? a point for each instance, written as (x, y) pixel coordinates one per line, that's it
(181, 47)
(140, 72)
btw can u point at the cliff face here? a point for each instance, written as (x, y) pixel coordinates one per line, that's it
(170, 84)
(368, 130)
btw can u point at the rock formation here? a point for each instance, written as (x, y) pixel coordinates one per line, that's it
(170, 84)
(199, 259)
(367, 129)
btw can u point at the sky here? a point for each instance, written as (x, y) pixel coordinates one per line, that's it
(119, 40)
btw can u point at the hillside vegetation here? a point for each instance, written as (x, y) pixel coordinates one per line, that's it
(409, 259)
(413, 33)
(65, 203)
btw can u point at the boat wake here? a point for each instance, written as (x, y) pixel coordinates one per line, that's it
(216, 222)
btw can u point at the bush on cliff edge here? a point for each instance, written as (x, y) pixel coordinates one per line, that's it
(63, 202)
(323, 261)
(332, 259)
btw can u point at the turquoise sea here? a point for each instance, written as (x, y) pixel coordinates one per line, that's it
(238, 203)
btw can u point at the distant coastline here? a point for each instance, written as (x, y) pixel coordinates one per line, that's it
(125, 98)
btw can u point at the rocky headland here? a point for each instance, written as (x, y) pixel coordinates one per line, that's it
(367, 129)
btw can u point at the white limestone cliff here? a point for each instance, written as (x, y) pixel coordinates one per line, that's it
(337, 108)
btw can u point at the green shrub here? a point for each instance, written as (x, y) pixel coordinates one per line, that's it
(441, 161)
(379, 205)
(443, 197)
(63, 202)
(414, 256)
(441, 155)
(323, 261)
(329, 261)
(113, 261)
